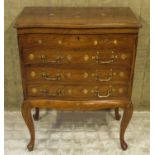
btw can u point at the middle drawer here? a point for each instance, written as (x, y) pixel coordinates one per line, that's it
(51, 74)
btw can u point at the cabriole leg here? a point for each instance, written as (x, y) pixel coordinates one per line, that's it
(26, 113)
(128, 111)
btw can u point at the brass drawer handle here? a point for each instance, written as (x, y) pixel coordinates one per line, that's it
(105, 62)
(99, 61)
(97, 93)
(45, 59)
(56, 78)
(98, 78)
(58, 92)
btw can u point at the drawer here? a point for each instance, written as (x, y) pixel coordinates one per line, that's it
(78, 92)
(92, 57)
(78, 41)
(51, 74)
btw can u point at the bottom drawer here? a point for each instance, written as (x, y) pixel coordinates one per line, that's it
(77, 92)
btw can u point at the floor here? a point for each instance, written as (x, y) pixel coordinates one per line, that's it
(77, 133)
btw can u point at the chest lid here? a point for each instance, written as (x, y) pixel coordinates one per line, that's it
(77, 17)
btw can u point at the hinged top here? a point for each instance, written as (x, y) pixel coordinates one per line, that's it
(74, 17)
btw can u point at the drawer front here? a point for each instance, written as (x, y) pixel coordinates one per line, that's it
(78, 41)
(77, 57)
(77, 92)
(51, 74)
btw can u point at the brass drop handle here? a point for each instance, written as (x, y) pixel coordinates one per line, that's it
(56, 78)
(58, 92)
(105, 62)
(97, 93)
(99, 61)
(98, 78)
(45, 59)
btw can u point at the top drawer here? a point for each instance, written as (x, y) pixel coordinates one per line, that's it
(78, 41)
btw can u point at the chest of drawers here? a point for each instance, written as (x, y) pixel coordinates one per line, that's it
(77, 59)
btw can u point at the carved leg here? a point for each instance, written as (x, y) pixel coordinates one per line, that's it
(36, 115)
(117, 115)
(26, 113)
(128, 111)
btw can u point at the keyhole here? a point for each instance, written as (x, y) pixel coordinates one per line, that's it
(78, 38)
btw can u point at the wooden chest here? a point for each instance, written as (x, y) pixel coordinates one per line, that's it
(77, 59)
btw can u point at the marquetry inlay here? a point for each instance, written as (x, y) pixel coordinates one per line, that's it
(95, 42)
(115, 42)
(85, 75)
(123, 56)
(68, 74)
(34, 90)
(86, 57)
(31, 56)
(121, 74)
(120, 90)
(69, 57)
(59, 42)
(33, 74)
(85, 91)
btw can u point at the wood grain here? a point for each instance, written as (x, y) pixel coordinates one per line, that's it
(57, 68)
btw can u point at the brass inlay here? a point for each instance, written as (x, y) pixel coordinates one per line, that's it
(85, 75)
(68, 74)
(123, 56)
(95, 42)
(114, 73)
(121, 74)
(115, 42)
(40, 41)
(86, 57)
(93, 57)
(59, 41)
(113, 89)
(31, 56)
(85, 91)
(69, 57)
(69, 91)
(34, 90)
(120, 90)
(33, 74)
(116, 56)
